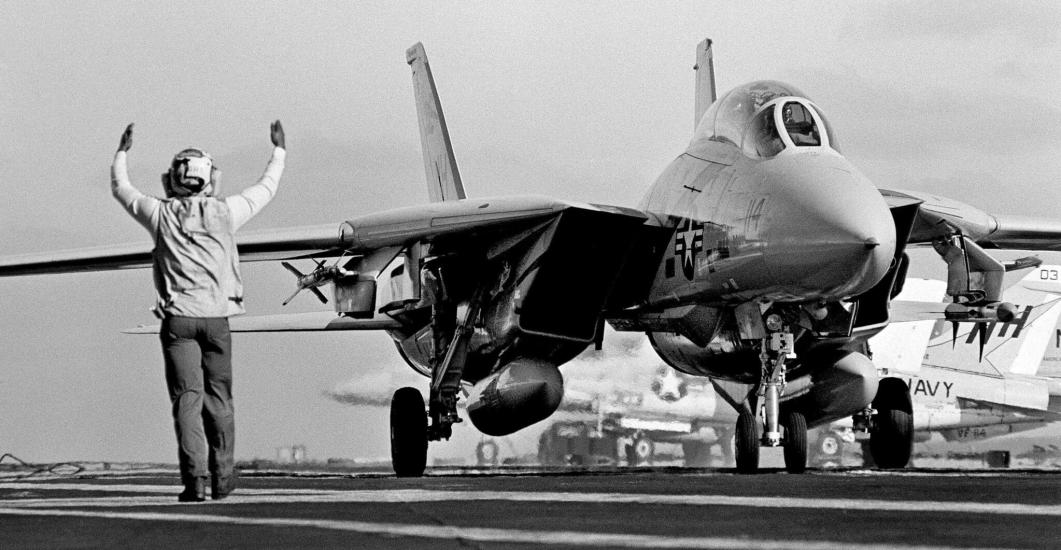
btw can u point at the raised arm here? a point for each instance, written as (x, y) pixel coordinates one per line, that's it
(141, 207)
(251, 200)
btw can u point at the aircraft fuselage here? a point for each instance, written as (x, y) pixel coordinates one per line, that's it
(801, 226)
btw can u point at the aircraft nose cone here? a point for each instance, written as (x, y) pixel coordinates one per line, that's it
(830, 231)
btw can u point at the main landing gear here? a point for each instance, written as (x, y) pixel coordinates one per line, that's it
(789, 430)
(408, 433)
(410, 426)
(890, 422)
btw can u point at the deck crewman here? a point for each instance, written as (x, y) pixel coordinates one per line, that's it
(197, 279)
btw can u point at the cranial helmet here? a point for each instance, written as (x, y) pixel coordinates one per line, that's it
(191, 173)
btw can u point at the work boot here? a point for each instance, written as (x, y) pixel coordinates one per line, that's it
(222, 486)
(194, 491)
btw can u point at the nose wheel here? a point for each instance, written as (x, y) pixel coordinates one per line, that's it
(795, 442)
(789, 430)
(746, 443)
(748, 440)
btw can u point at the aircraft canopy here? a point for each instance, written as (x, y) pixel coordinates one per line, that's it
(750, 115)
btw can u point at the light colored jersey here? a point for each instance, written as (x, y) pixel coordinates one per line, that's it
(196, 264)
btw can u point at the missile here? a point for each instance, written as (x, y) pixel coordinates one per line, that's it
(1003, 312)
(318, 277)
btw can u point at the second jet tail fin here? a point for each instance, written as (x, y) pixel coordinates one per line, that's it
(1012, 347)
(443, 178)
(705, 79)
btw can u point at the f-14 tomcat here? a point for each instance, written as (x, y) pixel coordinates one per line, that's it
(760, 258)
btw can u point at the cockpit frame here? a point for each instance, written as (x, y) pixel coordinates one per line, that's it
(805, 128)
(748, 117)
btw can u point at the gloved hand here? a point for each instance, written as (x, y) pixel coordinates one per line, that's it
(127, 139)
(276, 133)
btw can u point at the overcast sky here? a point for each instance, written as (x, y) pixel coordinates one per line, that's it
(585, 100)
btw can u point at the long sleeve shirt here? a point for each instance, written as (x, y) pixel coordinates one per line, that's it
(196, 264)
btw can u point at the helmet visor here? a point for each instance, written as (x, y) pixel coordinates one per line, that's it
(198, 168)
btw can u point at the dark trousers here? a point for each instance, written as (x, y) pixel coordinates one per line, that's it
(198, 356)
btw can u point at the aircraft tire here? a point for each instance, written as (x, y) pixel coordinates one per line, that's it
(795, 445)
(408, 433)
(644, 449)
(486, 453)
(746, 443)
(891, 442)
(829, 449)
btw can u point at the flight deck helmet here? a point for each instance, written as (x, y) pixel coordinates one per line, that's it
(191, 173)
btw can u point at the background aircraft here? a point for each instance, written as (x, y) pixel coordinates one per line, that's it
(955, 392)
(809, 222)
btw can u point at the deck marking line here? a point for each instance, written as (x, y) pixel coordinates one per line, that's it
(250, 496)
(484, 534)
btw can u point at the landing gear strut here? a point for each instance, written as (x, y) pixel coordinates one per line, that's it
(777, 347)
(410, 429)
(775, 350)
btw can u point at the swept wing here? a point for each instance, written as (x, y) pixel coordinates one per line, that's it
(451, 220)
(939, 217)
(311, 241)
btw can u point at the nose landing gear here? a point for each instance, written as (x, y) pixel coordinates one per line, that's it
(776, 348)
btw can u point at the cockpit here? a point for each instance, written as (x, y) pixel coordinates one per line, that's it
(765, 118)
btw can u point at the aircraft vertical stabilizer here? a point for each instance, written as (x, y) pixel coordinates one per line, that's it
(705, 79)
(1014, 347)
(443, 178)
(1044, 285)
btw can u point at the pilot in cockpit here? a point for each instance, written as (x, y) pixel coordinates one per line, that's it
(800, 126)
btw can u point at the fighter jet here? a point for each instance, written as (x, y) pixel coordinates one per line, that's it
(760, 258)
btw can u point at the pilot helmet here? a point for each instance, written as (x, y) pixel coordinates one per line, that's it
(787, 113)
(191, 173)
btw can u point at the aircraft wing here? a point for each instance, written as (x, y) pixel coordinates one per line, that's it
(397, 227)
(939, 216)
(296, 242)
